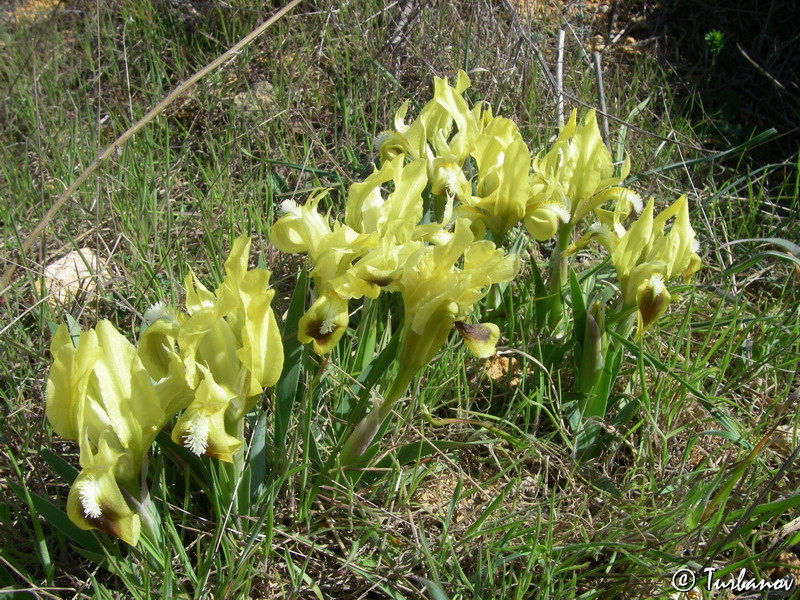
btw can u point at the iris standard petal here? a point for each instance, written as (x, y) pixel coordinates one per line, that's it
(262, 348)
(68, 380)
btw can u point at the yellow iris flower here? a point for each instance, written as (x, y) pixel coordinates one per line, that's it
(100, 395)
(231, 350)
(437, 295)
(332, 251)
(646, 257)
(431, 133)
(395, 217)
(394, 220)
(96, 500)
(577, 173)
(501, 189)
(445, 134)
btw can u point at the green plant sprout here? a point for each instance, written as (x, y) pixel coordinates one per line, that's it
(715, 42)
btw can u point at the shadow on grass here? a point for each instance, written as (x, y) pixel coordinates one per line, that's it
(740, 68)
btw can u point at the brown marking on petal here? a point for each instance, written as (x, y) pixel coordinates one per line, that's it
(108, 521)
(650, 307)
(379, 281)
(313, 329)
(474, 332)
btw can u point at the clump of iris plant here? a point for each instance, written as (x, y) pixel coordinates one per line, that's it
(431, 221)
(231, 349)
(100, 395)
(112, 398)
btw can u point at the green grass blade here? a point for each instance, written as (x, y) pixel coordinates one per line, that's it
(286, 390)
(59, 520)
(790, 247)
(750, 261)
(61, 467)
(759, 139)
(718, 413)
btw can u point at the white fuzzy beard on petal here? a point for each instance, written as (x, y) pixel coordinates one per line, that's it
(196, 438)
(89, 492)
(327, 326)
(289, 206)
(657, 281)
(382, 137)
(155, 312)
